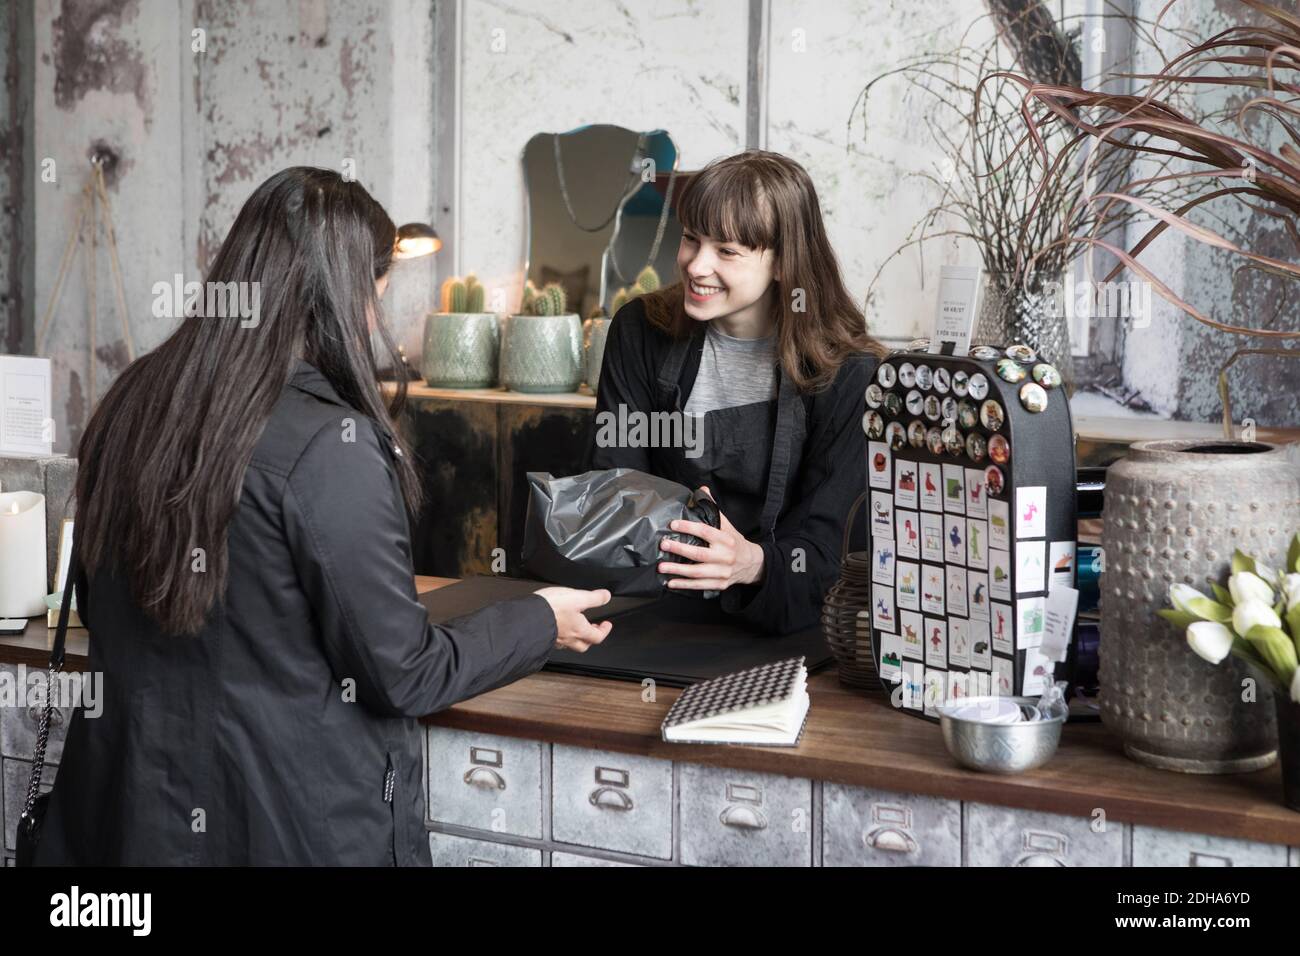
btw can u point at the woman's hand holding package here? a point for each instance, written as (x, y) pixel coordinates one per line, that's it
(729, 558)
(573, 631)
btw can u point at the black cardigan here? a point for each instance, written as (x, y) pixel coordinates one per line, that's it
(831, 474)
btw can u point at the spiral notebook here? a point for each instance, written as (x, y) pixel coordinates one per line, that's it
(764, 705)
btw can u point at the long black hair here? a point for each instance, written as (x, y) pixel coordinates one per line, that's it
(162, 460)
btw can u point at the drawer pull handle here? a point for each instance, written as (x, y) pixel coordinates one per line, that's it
(1040, 859)
(1208, 859)
(611, 798)
(891, 840)
(744, 818)
(485, 778)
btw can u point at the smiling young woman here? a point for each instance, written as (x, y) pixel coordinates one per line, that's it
(759, 338)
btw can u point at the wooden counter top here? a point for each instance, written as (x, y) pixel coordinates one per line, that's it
(851, 738)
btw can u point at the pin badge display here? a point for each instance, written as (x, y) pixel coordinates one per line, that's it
(1009, 370)
(1033, 397)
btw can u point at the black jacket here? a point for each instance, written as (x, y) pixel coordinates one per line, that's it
(831, 473)
(268, 737)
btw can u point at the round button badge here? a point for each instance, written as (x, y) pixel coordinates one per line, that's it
(975, 446)
(873, 423)
(979, 387)
(907, 375)
(896, 435)
(999, 449)
(967, 416)
(954, 441)
(1033, 396)
(916, 434)
(886, 375)
(893, 404)
(1009, 370)
(924, 377)
(960, 383)
(941, 381)
(934, 441)
(1022, 353)
(1047, 375)
(932, 407)
(915, 402)
(993, 480)
(875, 395)
(949, 409)
(991, 415)
(985, 353)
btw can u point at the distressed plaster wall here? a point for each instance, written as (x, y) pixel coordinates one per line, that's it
(193, 131)
(1174, 363)
(434, 101)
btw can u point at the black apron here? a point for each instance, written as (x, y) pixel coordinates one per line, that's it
(748, 454)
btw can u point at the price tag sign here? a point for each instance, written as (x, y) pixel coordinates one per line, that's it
(955, 312)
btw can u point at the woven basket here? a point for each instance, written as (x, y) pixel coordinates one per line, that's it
(847, 634)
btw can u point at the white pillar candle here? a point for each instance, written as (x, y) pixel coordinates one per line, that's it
(22, 554)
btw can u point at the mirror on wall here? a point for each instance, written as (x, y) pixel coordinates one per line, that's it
(599, 210)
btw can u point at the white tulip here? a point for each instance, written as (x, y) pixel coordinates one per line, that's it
(1210, 640)
(1180, 594)
(1245, 586)
(1291, 588)
(1249, 613)
(1295, 686)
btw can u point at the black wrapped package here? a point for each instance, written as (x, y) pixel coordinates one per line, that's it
(602, 529)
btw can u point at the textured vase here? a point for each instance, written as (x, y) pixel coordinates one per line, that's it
(1174, 512)
(1025, 310)
(542, 353)
(460, 349)
(597, 332)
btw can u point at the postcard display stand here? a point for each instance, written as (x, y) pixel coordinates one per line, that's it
(972, 498)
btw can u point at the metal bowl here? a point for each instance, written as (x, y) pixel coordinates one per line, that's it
(1001, 748)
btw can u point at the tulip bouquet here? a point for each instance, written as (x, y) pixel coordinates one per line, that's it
(1256, 618)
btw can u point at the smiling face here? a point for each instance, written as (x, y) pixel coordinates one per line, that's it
(727, 281)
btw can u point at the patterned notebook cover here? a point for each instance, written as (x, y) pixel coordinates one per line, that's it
(730, 693)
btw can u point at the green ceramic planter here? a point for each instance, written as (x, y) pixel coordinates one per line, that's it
(542, 353)
(460, 349)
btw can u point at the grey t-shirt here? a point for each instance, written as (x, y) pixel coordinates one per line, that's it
(733, 372)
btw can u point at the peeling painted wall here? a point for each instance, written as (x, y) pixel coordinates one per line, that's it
(283, 82)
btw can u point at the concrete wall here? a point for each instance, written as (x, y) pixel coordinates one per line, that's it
(434, 100)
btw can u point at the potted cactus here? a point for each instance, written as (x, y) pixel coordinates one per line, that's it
(461, 340)
(541, 347)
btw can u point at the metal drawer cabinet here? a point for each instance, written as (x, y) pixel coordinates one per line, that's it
(865, 827)
(573, 859)
(744, 818)
(612, 801)
(1002, 836)
(1155, 846)
(448, 850)
(18, 725)
(485, 781)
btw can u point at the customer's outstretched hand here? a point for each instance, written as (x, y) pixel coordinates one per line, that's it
(573, 631)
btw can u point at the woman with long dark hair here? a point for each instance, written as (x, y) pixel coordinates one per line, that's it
(243, 563)
(761, 342)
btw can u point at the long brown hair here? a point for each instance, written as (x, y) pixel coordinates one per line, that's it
(162, 460)
(765, 200)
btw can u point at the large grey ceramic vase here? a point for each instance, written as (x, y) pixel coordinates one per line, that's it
(460, 349)
(1174, 512)
(542, 353)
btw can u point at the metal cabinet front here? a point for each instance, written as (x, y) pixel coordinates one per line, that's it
(744, 818)
(574, 859)
(1155, 846)
(1003, 836)
(866, 827)
(448, 850)
(485, 781)
(612, 801)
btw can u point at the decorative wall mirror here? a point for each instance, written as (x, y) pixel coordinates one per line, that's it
(594, 221)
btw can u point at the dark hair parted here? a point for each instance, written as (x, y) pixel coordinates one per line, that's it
(764, 200)
(162, 460)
